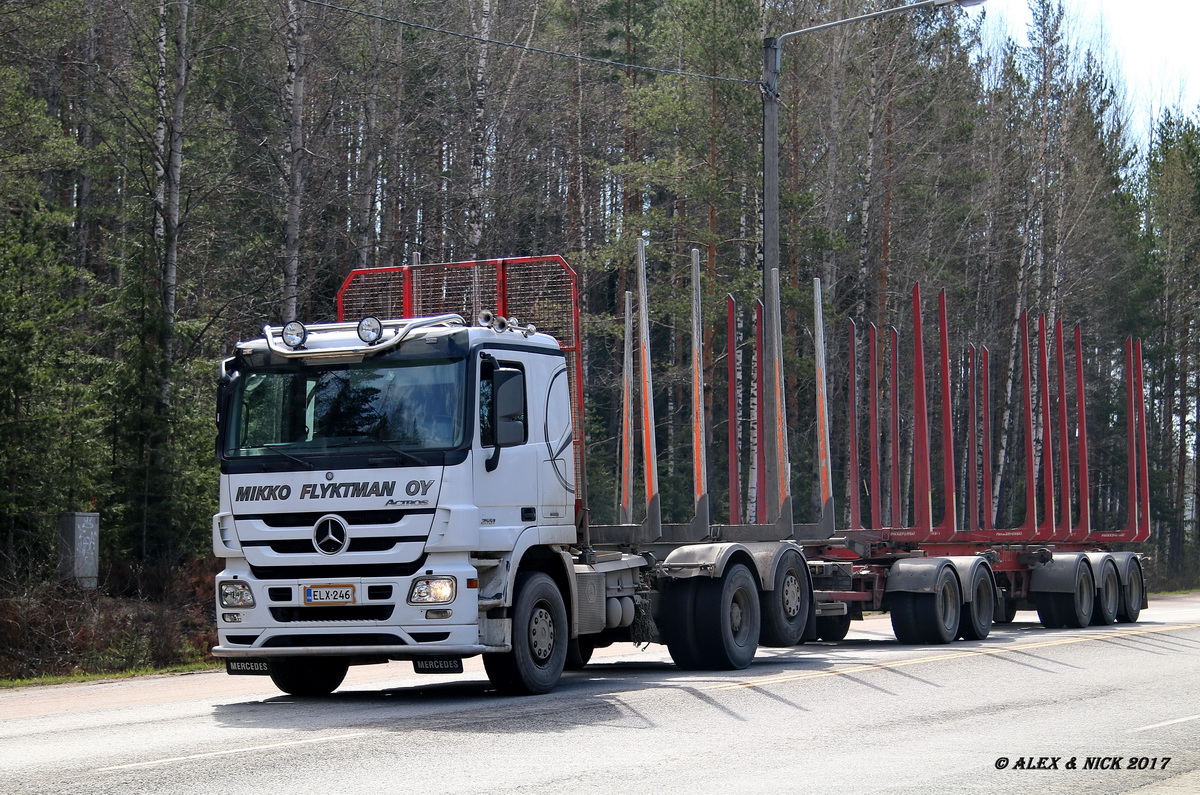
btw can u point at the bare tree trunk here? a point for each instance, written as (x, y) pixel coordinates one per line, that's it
(483, 30)
(295, 165)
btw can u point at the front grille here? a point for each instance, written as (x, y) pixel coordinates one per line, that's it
(325, 573)
(352, 518)
(288, 615)
(302, 546)
(355, 639)
(377, 592)
(279, 594)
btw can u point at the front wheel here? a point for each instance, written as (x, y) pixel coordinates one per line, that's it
(308, 676)
(539, 639)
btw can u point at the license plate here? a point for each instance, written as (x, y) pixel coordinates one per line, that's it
(438, 665)
(333, 594)
(247, 668)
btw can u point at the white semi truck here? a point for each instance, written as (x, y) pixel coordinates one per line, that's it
(408, 484)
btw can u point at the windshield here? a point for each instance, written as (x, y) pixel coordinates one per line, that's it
(396, 404)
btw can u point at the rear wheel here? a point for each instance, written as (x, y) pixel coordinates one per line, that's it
(539, 639)
(785, 608)
(1132, 592)
(308, 676)
(1069, 609)
(977, 615)
(677, 620)
(929, 617)
(1108, 595)
(730, 608)
(833, 628)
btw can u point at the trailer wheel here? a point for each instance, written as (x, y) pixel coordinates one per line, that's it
(1131, 594)
(785, 608)
(1008, 611)
(539, 639)
(1108, 595)
(308, 676)
(928, 617)
(1069, 609)
(677, 623)
(977, 615)
(731, 608)
(833, 628)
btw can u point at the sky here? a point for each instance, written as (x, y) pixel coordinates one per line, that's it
(1152, 44)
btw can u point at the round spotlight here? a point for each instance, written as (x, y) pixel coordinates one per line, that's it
(294, 334)
(370, 329)
(529, 330)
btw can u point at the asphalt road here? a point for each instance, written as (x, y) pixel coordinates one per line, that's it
(1028, 710)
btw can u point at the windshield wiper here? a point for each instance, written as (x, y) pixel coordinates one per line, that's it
(285, 454)
(397, 450)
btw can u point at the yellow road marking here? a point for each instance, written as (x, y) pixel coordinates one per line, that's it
(774, 680)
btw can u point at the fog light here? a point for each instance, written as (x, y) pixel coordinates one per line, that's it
(235, 594)
(432, 614)
(294, 334)
(431, 590)
(370, 329)
(231, 618)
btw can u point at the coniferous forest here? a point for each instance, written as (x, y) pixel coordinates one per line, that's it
(175, 174)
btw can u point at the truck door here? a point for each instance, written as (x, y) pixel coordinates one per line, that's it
(558, 455)
(505, 450)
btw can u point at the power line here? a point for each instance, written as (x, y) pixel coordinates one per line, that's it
(539, 50)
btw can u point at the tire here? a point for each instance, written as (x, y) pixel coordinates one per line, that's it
(977, 615)
(308, 676)
(1007, 612)
(677, 623)
(539, 639)
(904, 617)
(785, 608)
(833, 628)
(1132, 592)
(1108, 596)
(1074, 609)
(1048, 610)
(929, 618)
(579, 651)
(729, 620)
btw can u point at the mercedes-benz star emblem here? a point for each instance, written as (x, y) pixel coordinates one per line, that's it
(330, 536)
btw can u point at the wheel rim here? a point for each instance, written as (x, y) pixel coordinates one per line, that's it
(1111, 592)
(541, 634)
(1133, 590)
(791, 595)
(984, 607)
(948, 606)
(1083, 593)
(738, 610)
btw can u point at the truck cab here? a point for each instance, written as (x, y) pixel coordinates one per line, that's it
(380, 484)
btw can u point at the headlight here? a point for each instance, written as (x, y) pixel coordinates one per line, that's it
(294, 334)
(370, 329)
(235, 594)
(431, 591)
